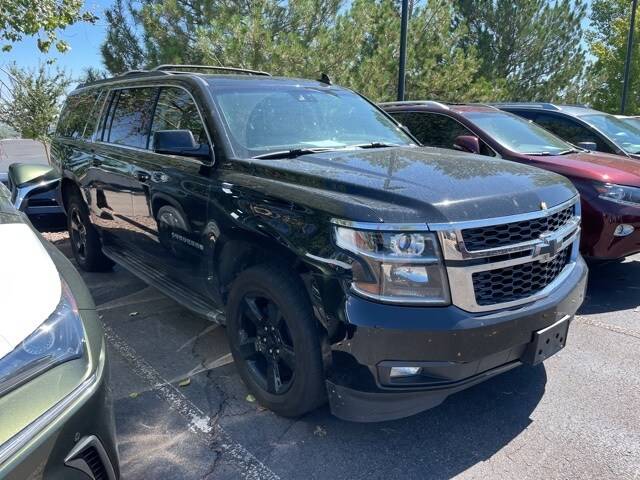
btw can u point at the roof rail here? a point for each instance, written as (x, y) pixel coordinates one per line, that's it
(417, 102)
(177, 67)
(541, 105)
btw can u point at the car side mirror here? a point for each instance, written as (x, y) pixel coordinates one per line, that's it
(467, 143)
(591, 146)
(180, 142)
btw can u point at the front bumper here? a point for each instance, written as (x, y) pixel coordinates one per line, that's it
(600, 219)
(48, 448)
(456, 349)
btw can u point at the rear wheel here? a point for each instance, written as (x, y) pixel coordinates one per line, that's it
(275, 340)
(85, 241)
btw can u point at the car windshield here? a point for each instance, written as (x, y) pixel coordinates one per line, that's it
(517, 134)
(623, 134)
(262, 120)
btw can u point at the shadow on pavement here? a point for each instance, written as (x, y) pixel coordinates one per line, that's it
(613, 286)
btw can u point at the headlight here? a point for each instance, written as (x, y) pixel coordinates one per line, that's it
(619, 194)
(398, 267)
(59, 339)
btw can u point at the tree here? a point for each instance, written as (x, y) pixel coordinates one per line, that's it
(534, 46)
(32, 103)
(20, 18)
(121, 50)
(356, 44)
(607, 41)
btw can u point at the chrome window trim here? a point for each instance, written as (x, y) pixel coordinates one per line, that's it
(31, 431)
(161, 85)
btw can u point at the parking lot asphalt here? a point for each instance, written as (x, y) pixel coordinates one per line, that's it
(182, 411)
(19, 150)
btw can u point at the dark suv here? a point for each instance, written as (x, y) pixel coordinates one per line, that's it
(345, 261)
(582, 126)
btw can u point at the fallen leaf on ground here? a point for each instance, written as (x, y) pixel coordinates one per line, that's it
(250, 398)
(133, 395)
(184, 383)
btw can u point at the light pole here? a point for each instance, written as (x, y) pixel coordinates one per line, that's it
(404, 26)
(627, 63)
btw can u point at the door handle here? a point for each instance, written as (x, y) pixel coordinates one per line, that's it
(142, 176)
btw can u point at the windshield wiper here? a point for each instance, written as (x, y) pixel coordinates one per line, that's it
(293, 153)
(374, 145)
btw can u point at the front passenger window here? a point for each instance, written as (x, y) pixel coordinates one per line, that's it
(176, 110)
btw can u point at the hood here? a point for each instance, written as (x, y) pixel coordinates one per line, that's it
(30, 286)
(418, 185)
(596, 166)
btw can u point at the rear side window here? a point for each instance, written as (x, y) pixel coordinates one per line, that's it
(571, 131)
(176, 110)
(73, 120)
(436, 130)
(131, 118)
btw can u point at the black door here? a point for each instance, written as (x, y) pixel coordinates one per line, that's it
(124, 139)
(170, 196)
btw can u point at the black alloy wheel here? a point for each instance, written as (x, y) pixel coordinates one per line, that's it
(276, 340)
(78, 233)
(266, 344)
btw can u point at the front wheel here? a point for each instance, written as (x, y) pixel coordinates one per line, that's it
(85, 241)
(275, 340)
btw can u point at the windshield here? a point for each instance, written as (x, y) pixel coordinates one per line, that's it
(517, 134)
(623, 134)
(270, 119)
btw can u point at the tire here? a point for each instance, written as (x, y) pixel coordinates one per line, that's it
(254, 328)
(85, 241)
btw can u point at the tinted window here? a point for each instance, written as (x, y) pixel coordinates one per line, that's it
(132, 117)
(570, 130)
(262, 120)
(436, 130)
(94, 116)
(73, 119)
(623, 134)
(176, 110)
(517, 134)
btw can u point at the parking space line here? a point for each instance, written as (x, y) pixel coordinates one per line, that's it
(607, 326)
(245, 463)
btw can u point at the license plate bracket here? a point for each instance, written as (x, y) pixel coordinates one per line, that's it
(547, 342)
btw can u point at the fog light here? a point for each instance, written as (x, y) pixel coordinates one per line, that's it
(623, 230)
(404, 371)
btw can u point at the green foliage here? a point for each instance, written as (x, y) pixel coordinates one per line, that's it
(531, 45)
(607, 39)
(355, 43)
(7, 132)
(33, 101)
(20, 18)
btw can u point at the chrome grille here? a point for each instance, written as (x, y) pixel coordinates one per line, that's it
(509, 261)
(517, 282)
(516, 232)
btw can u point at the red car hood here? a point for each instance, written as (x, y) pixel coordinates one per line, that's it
(596, 166)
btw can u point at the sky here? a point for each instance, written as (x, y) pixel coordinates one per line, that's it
(85, 40)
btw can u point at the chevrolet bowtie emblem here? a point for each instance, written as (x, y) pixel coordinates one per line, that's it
(543, 205)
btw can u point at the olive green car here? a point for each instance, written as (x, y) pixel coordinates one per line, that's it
(56, 418)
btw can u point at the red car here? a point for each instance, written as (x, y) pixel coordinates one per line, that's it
(609, 185)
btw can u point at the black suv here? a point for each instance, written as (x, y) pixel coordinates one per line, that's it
(582, 126)
(346, 261)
